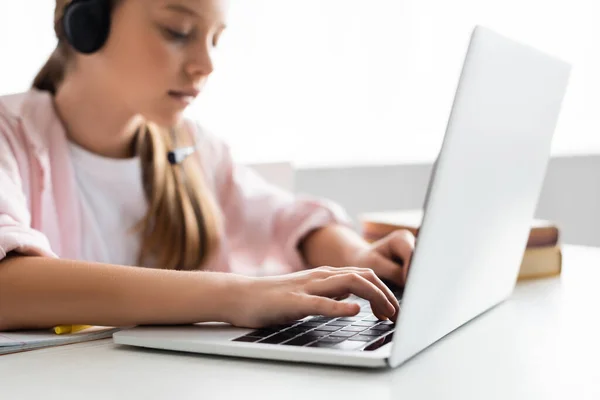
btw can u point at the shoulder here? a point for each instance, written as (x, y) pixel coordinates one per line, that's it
(30, 114)
(21, 105)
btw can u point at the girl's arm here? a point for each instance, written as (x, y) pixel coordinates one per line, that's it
(38, 292)
(335, 245)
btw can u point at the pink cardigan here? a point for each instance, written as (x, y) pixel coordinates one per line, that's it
(40, 211)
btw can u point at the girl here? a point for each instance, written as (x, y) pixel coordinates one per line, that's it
(117, 211)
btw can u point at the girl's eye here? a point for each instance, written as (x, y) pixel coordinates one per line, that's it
(176, 35)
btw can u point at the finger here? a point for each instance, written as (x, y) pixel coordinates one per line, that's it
(403, 251)
(388, 269)
(342, 284)
(399, 248)
(372, 277)
(335, 306)
(402, 245)
(317, 305)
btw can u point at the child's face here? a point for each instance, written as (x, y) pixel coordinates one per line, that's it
(158, 55)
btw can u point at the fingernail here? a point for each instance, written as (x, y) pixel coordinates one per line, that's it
(391, 308)
(381, 317)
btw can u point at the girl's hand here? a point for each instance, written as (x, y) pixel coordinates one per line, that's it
(389, 257)
(275, 300)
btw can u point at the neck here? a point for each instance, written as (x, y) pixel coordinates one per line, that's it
(94, 120)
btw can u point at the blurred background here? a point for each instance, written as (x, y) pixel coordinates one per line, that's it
(349, 99)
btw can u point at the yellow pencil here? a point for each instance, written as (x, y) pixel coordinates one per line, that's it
(62, 329)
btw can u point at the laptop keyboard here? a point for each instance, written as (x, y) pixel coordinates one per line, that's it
(362, 332)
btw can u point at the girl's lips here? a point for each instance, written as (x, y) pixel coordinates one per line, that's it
(184, 96)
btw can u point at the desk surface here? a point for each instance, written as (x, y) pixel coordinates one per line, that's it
(543, 343)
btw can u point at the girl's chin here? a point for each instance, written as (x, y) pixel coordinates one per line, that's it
(165, 119)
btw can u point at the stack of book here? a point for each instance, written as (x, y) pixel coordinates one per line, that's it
(542, 258)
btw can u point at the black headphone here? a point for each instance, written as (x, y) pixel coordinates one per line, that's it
(86, 24)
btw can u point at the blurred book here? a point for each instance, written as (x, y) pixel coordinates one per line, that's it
(542, 258)
(13, 342)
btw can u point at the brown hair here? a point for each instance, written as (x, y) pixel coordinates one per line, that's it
(181, 227)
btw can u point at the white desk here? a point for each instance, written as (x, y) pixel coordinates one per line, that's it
(543, 343)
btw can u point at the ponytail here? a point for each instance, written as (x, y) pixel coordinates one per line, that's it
(52, 73)
(181, 227)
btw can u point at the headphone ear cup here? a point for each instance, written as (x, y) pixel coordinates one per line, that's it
(86, 24)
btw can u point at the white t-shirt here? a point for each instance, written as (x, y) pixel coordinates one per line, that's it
(112, 202)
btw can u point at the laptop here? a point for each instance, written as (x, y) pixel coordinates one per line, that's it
(480, 202)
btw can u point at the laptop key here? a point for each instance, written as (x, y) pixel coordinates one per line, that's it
(300, 341)
(330, 339)
(262, 332)
(343, 334)
(339, 323)
(321, 319)
(309, 325)
(362, 338)
(317, 334)
(298, 330)
(326, 342)
(372, 332)
(382, 328)
(283, 326)
(349, 319)
(364, 323)
(328, 328)
(249, 339)
(278, 338)
(355, 328)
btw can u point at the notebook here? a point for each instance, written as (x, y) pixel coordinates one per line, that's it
(12, 342)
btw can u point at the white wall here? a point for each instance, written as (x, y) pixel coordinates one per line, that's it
(570, 195)
(294, 77)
